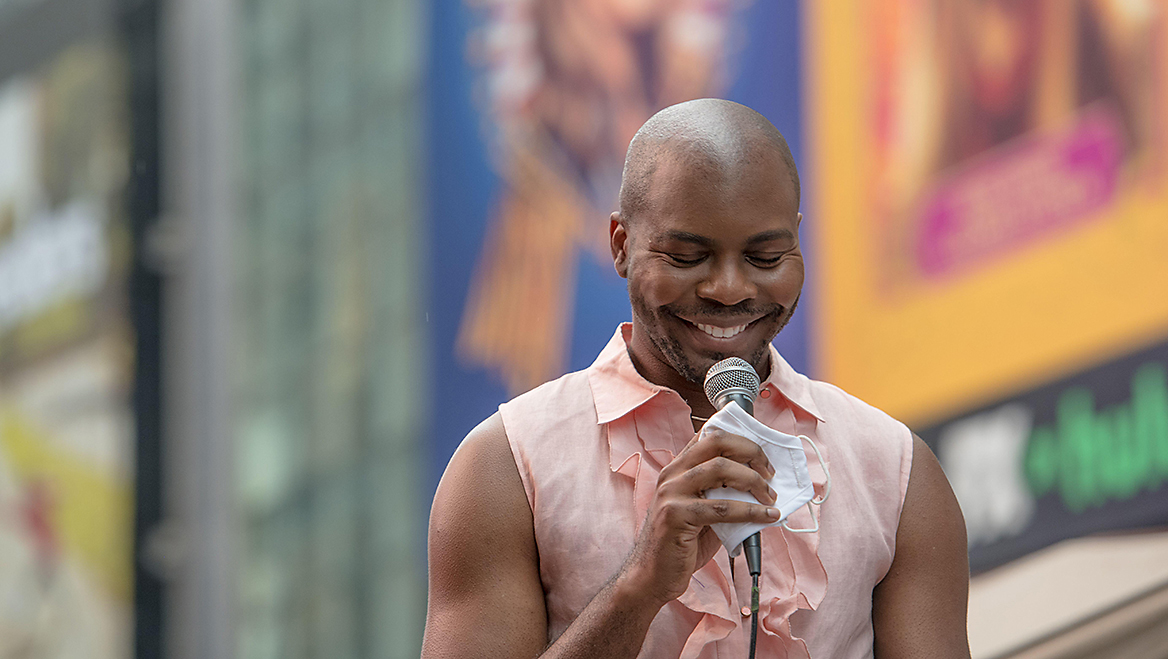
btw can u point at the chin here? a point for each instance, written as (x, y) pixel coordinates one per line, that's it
(694, 366)
(688, 357)
(758, 355)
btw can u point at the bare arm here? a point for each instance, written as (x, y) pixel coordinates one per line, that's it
(486, 598)
(919, 609)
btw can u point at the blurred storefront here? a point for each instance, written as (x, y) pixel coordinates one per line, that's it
(211, 365)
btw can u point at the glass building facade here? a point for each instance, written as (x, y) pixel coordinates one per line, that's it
(328, 363)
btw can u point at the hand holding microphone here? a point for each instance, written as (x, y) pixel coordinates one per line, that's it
(677, 536)
(675, 539)
(734, 380)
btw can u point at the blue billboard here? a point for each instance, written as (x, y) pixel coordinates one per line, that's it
(531, 107)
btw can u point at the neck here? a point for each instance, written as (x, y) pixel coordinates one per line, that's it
(695, 397)
(666, 376)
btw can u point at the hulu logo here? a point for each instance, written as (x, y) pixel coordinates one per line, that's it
(1091, 457)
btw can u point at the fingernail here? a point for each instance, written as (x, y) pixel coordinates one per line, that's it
(772, 493)
(774, 513)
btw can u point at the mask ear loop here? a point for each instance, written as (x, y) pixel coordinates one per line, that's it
(823, 465)
(815, 519)
(818, 501)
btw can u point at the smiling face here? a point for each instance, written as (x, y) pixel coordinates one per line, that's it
(713, 264)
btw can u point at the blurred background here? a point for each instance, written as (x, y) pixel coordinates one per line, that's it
(263, 263)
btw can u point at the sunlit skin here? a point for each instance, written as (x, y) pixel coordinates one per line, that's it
(713, 248)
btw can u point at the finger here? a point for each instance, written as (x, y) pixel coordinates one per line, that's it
(703, 512)
(717, 442)
(723, 472)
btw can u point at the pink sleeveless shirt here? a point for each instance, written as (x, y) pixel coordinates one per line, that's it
(589, 447)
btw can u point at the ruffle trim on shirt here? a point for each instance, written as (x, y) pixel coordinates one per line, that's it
(793, 577)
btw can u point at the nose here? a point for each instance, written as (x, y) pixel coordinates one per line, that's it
(726, 283)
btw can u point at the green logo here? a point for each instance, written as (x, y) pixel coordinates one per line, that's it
(1091, 457)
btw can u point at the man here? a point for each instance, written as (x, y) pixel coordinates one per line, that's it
(572, 522)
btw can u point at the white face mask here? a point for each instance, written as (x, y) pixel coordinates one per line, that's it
(791, 482)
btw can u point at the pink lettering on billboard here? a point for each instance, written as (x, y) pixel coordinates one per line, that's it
(1022, 193)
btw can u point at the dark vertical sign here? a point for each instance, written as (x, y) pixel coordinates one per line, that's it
(140, 29)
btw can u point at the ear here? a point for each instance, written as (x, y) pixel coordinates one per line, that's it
(618, 242)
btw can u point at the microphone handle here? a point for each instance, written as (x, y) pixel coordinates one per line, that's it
(744, 401)
(752, 546)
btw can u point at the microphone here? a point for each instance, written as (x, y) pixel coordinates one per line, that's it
(734, 379)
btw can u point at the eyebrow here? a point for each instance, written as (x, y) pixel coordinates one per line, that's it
(687, 237)
(697, 239)
(767, 236)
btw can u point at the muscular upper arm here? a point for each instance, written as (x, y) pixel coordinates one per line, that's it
(919, 609)
(485, 597)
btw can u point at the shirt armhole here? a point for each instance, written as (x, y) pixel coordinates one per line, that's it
(906, 461)
(521, 464)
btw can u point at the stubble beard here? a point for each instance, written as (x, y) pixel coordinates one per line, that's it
(671, 349)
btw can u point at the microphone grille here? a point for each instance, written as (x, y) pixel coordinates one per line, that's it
(731, 373)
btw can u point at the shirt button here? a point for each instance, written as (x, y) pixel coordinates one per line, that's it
(766, 393)
(746, 612)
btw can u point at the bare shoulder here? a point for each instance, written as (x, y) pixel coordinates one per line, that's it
(484, 588)
(929, 495)
(482, 469)
(919, 609)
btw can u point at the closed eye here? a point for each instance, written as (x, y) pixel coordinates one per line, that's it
(687, 259)
(765, 261)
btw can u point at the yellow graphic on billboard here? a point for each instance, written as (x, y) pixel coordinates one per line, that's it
(69, 505)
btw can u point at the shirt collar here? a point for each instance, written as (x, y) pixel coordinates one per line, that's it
(791, 384)
(617, 387)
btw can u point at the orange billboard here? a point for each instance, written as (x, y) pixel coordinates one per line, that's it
(990, 193)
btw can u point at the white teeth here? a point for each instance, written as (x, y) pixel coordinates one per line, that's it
(720, 332)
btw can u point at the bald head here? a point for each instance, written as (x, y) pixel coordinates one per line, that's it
(719, 136)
